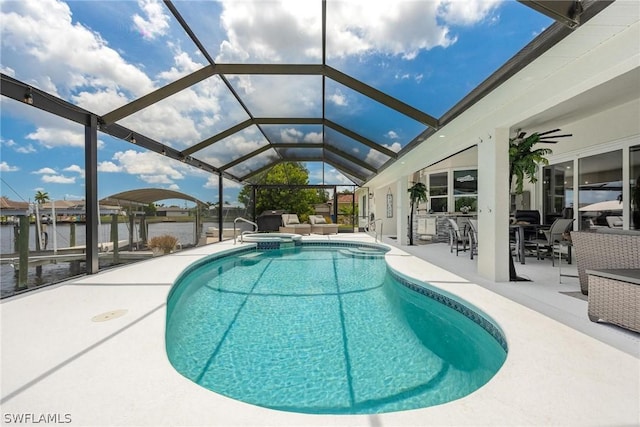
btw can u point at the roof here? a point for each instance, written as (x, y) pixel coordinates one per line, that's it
(7, 204)
(269, 134)
(144, 196)
(345, 198)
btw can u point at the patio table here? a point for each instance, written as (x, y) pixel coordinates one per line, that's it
(520, 240)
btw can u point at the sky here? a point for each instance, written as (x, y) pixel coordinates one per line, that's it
(102, 55)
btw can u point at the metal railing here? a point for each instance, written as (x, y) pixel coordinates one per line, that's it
(371, 226)
(235, 221)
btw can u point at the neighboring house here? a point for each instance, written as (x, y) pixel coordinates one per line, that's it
(10, 209)
(345, 201)
(172, 211)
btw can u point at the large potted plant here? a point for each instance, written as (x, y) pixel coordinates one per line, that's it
(417, 195)
(524, 161)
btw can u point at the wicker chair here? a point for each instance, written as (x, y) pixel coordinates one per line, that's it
(604, 250)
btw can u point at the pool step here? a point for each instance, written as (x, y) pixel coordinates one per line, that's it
(362, 252)
(250, 258)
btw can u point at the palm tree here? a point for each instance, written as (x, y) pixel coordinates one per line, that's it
(523, 163)
(41, 197)
(417, 194)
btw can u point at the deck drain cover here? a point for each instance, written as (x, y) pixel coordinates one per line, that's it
(109, 315)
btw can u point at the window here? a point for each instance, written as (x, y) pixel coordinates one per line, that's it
(600, 190)
(634, 182)
(465, 189)
(438, 191)
(558, 191)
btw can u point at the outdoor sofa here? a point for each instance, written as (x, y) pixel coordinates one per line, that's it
(608, 264)
(603, 249)
(291, 224)
(319, 225)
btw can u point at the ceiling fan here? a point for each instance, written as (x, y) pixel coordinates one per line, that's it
(544, 137)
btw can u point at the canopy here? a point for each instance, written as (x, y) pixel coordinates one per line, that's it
(144, 196)
(607, 205)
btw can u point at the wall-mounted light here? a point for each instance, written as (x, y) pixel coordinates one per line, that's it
(163, 152)
(370, 196)
(28, 97)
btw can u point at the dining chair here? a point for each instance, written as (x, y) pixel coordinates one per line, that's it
(472, 232)
(551, 237)
(456, 237)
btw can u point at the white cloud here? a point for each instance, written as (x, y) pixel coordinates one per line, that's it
(291, 135)
(404, 28)
(457, 12)
(58, 179)
(376, 158)
(333, 176)
(156, 22)
(8, 71)
(5, 167)
(391, 134)
(313, 137)
(41, 34)
(75, 168)
(156, 179)
(18, 148)
(338, 98)
(25, 149)
(43, 171)
(51, 137)
(212, 183)
(148, 164)
(108, 167)
(255, 30)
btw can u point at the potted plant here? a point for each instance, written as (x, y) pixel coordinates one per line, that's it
(523, 163)
(417, 195)
(163, 244)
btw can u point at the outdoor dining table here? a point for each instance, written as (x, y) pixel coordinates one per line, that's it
(520, 240)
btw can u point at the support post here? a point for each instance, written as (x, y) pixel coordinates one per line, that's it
(91, 193)
(72, 234)
(144, 231)
(132, 224)
(23, 244)
(402, 210)
(493, 207)
(114, 238)
(220, 216)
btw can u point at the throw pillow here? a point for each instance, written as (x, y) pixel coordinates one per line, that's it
(293, 219)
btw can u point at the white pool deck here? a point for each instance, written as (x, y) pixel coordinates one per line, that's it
(561, 369)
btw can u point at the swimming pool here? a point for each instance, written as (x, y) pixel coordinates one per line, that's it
(325, 329)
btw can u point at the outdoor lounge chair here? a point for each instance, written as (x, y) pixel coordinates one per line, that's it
(291, 224)
(319, 225)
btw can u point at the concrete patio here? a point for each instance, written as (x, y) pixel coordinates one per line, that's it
(561, 369)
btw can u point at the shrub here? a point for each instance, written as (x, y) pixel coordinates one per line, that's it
(165, 242)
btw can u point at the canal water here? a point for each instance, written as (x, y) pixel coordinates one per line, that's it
(51, 273)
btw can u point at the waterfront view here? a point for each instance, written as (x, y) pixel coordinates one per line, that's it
(52, 273)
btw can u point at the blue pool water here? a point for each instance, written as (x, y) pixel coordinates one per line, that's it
(322, 330)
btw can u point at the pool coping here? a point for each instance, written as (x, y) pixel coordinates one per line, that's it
(54, 359)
